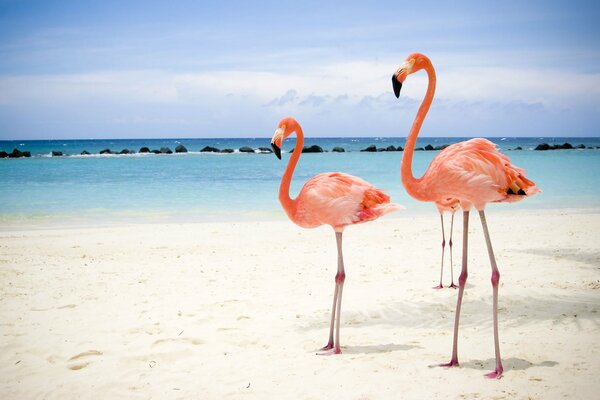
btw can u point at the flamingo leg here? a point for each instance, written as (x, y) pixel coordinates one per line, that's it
(329, 344)
(452, 285)
(440, 286)
(462, 280)
(333, 347)
(497, 373)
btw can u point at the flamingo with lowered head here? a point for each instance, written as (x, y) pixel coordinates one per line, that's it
(474, 173)
(331, 198)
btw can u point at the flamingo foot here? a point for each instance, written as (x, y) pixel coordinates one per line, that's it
(496, 374)
(453, 286)
(440, 286)
(452, 363)
(328, 346)
(329, 351)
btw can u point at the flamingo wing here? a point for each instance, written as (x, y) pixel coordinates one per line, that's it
(475, 171)
(339, 199)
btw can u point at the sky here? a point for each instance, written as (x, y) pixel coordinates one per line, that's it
(156, 69)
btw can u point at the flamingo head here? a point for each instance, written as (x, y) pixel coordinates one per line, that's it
(412, 64)
(284, 129)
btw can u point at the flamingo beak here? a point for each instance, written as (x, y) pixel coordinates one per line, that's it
(276, 150)
(397, 85)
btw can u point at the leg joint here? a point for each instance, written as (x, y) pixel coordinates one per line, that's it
(495, 278)
(462, 279)
(340, 277)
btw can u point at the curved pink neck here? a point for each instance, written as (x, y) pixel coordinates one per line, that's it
(289, 204)
(413, 185)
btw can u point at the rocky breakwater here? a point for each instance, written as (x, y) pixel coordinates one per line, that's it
(16, 153)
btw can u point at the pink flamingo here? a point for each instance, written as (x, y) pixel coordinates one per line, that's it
(331, 198)
(474, 173)
(451, 205)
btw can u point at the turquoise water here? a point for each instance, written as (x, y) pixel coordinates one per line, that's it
(213, 187)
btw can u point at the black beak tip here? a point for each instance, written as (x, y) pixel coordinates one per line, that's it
(276, 150)
(397, 85)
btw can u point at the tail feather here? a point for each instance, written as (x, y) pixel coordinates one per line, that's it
(519, 186)
(375, 204)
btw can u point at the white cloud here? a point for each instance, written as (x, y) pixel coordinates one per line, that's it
(322, 95)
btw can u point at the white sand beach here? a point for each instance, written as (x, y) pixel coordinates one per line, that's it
(238, 310)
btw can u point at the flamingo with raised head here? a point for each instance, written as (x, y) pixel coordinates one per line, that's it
(474, 173)
(331, 198)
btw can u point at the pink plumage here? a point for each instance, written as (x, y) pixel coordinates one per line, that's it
(475, 172)
(339, 200)
(331, 198)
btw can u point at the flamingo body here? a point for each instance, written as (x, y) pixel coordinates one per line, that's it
(339, 200)
(474, 173)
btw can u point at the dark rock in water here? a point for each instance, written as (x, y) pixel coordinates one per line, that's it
(227, 151)
(155, 151)
(265, 150)
(246, 149)
(566, 146)
(209, 149)
(518, 148)
(399, 148)
(371, 148)
(581, 146)
(56, 153)
(85, 153)
(442, 147)
(105, 151)
(380, 149)
(126, 151)
(3, 154)
(429, 147)
(312, 149)
(144, 150)
(180, 149)
(543, 146)
(338, 150)
(419, 149)
(166, 150)
(390, 148)
(16, 153)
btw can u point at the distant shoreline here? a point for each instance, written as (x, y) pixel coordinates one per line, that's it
(59, 149)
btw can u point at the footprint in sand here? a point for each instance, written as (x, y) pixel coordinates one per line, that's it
(82, 360)
(193, 341)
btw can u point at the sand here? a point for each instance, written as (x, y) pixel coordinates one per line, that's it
(238, 310)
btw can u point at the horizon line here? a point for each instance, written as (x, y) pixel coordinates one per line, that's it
(306, 138)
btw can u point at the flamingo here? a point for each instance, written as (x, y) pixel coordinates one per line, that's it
(474, 173)
(330, 198)
(451, 205)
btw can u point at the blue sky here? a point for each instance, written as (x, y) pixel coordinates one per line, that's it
(109, 69)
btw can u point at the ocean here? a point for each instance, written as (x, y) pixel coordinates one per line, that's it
(197, 186)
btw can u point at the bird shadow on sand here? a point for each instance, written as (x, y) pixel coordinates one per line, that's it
(509, 364)
(515, 311)
(379, 348)
(589, 258)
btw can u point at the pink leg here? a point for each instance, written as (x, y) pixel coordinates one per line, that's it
(440, 286)
(497, 373)
(333, 347)
(452, 285)
(462, 280)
